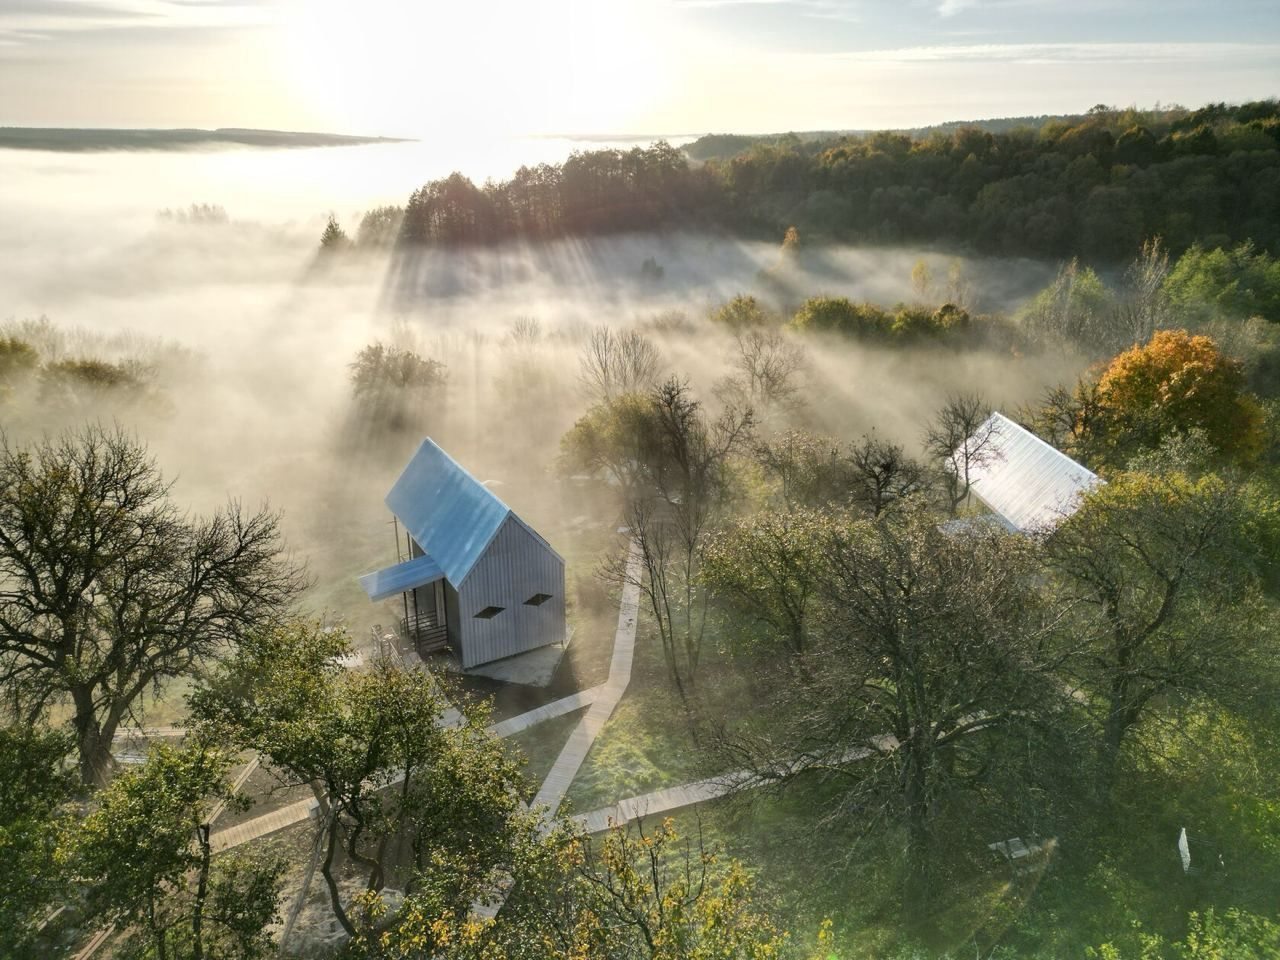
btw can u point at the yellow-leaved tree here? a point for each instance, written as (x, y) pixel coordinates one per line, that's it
(1174, 383)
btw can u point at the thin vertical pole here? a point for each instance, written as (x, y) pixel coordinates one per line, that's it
(417, 619)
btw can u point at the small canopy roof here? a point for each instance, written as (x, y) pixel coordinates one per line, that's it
(1031, 485)
(408, 575)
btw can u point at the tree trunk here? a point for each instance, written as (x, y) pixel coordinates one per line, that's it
(202, 887)
(353, 851)
(916, 808)
(1122, 713)
(96, 762)
(1115, 728)
(326, 870)
(157, 934)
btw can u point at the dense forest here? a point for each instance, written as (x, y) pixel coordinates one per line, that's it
(1094, 187)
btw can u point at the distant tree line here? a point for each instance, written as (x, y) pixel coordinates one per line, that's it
(1094, 187)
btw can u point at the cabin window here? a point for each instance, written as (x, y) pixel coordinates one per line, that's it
(488, 613)
(537, 600)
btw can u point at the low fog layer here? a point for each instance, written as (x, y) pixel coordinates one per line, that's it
(248, 336)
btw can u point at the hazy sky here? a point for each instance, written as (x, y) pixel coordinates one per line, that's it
(423, 67)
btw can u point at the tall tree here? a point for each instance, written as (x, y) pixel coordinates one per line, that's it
(1163, 568)
(144, 854)
(107, 590)
(375, 746)
(768, 367)
(333, 238)
(771, 567)
(1143, 307)
(1073, 310)
(671, 514)
(1173, 383)
(615, 364)
(394, 388)
(807, 470)
(929, 652)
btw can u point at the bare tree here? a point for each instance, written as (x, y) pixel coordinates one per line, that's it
(883, 474)
(1073, 421)
(613, 364)
(1142, 308)
(107, 590)
(671, 512)
(961, 438)
(523, 332)
(768, 368)
(959, 290)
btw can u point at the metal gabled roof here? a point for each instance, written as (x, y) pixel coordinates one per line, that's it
(408, 575)
(1026, 481)
(450, 514)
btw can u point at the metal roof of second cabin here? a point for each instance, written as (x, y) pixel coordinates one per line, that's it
(1026, 481)
(450, 514)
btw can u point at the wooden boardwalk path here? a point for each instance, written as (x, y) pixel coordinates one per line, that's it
(560, 778)
(306, 809)
(566, 767)
(548, 711)
(661, 801)
(170, 733)
(699, 791)
(264, 825)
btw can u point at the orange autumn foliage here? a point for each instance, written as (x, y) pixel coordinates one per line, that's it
(1176, 382)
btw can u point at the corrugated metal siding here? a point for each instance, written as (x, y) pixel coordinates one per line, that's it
(1029, 483)
(452, 618)
(517, 565)
(451, 515)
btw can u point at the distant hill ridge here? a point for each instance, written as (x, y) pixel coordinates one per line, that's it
(76, 139)
(724, 145)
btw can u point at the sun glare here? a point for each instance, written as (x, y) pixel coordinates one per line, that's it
(496, 67)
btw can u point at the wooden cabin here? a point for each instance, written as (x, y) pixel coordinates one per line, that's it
(476, 577)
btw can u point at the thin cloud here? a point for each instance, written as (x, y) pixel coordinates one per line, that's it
(712, 4)
(24, 22)
(1068, 53)
(820, 9)
(71, 11)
